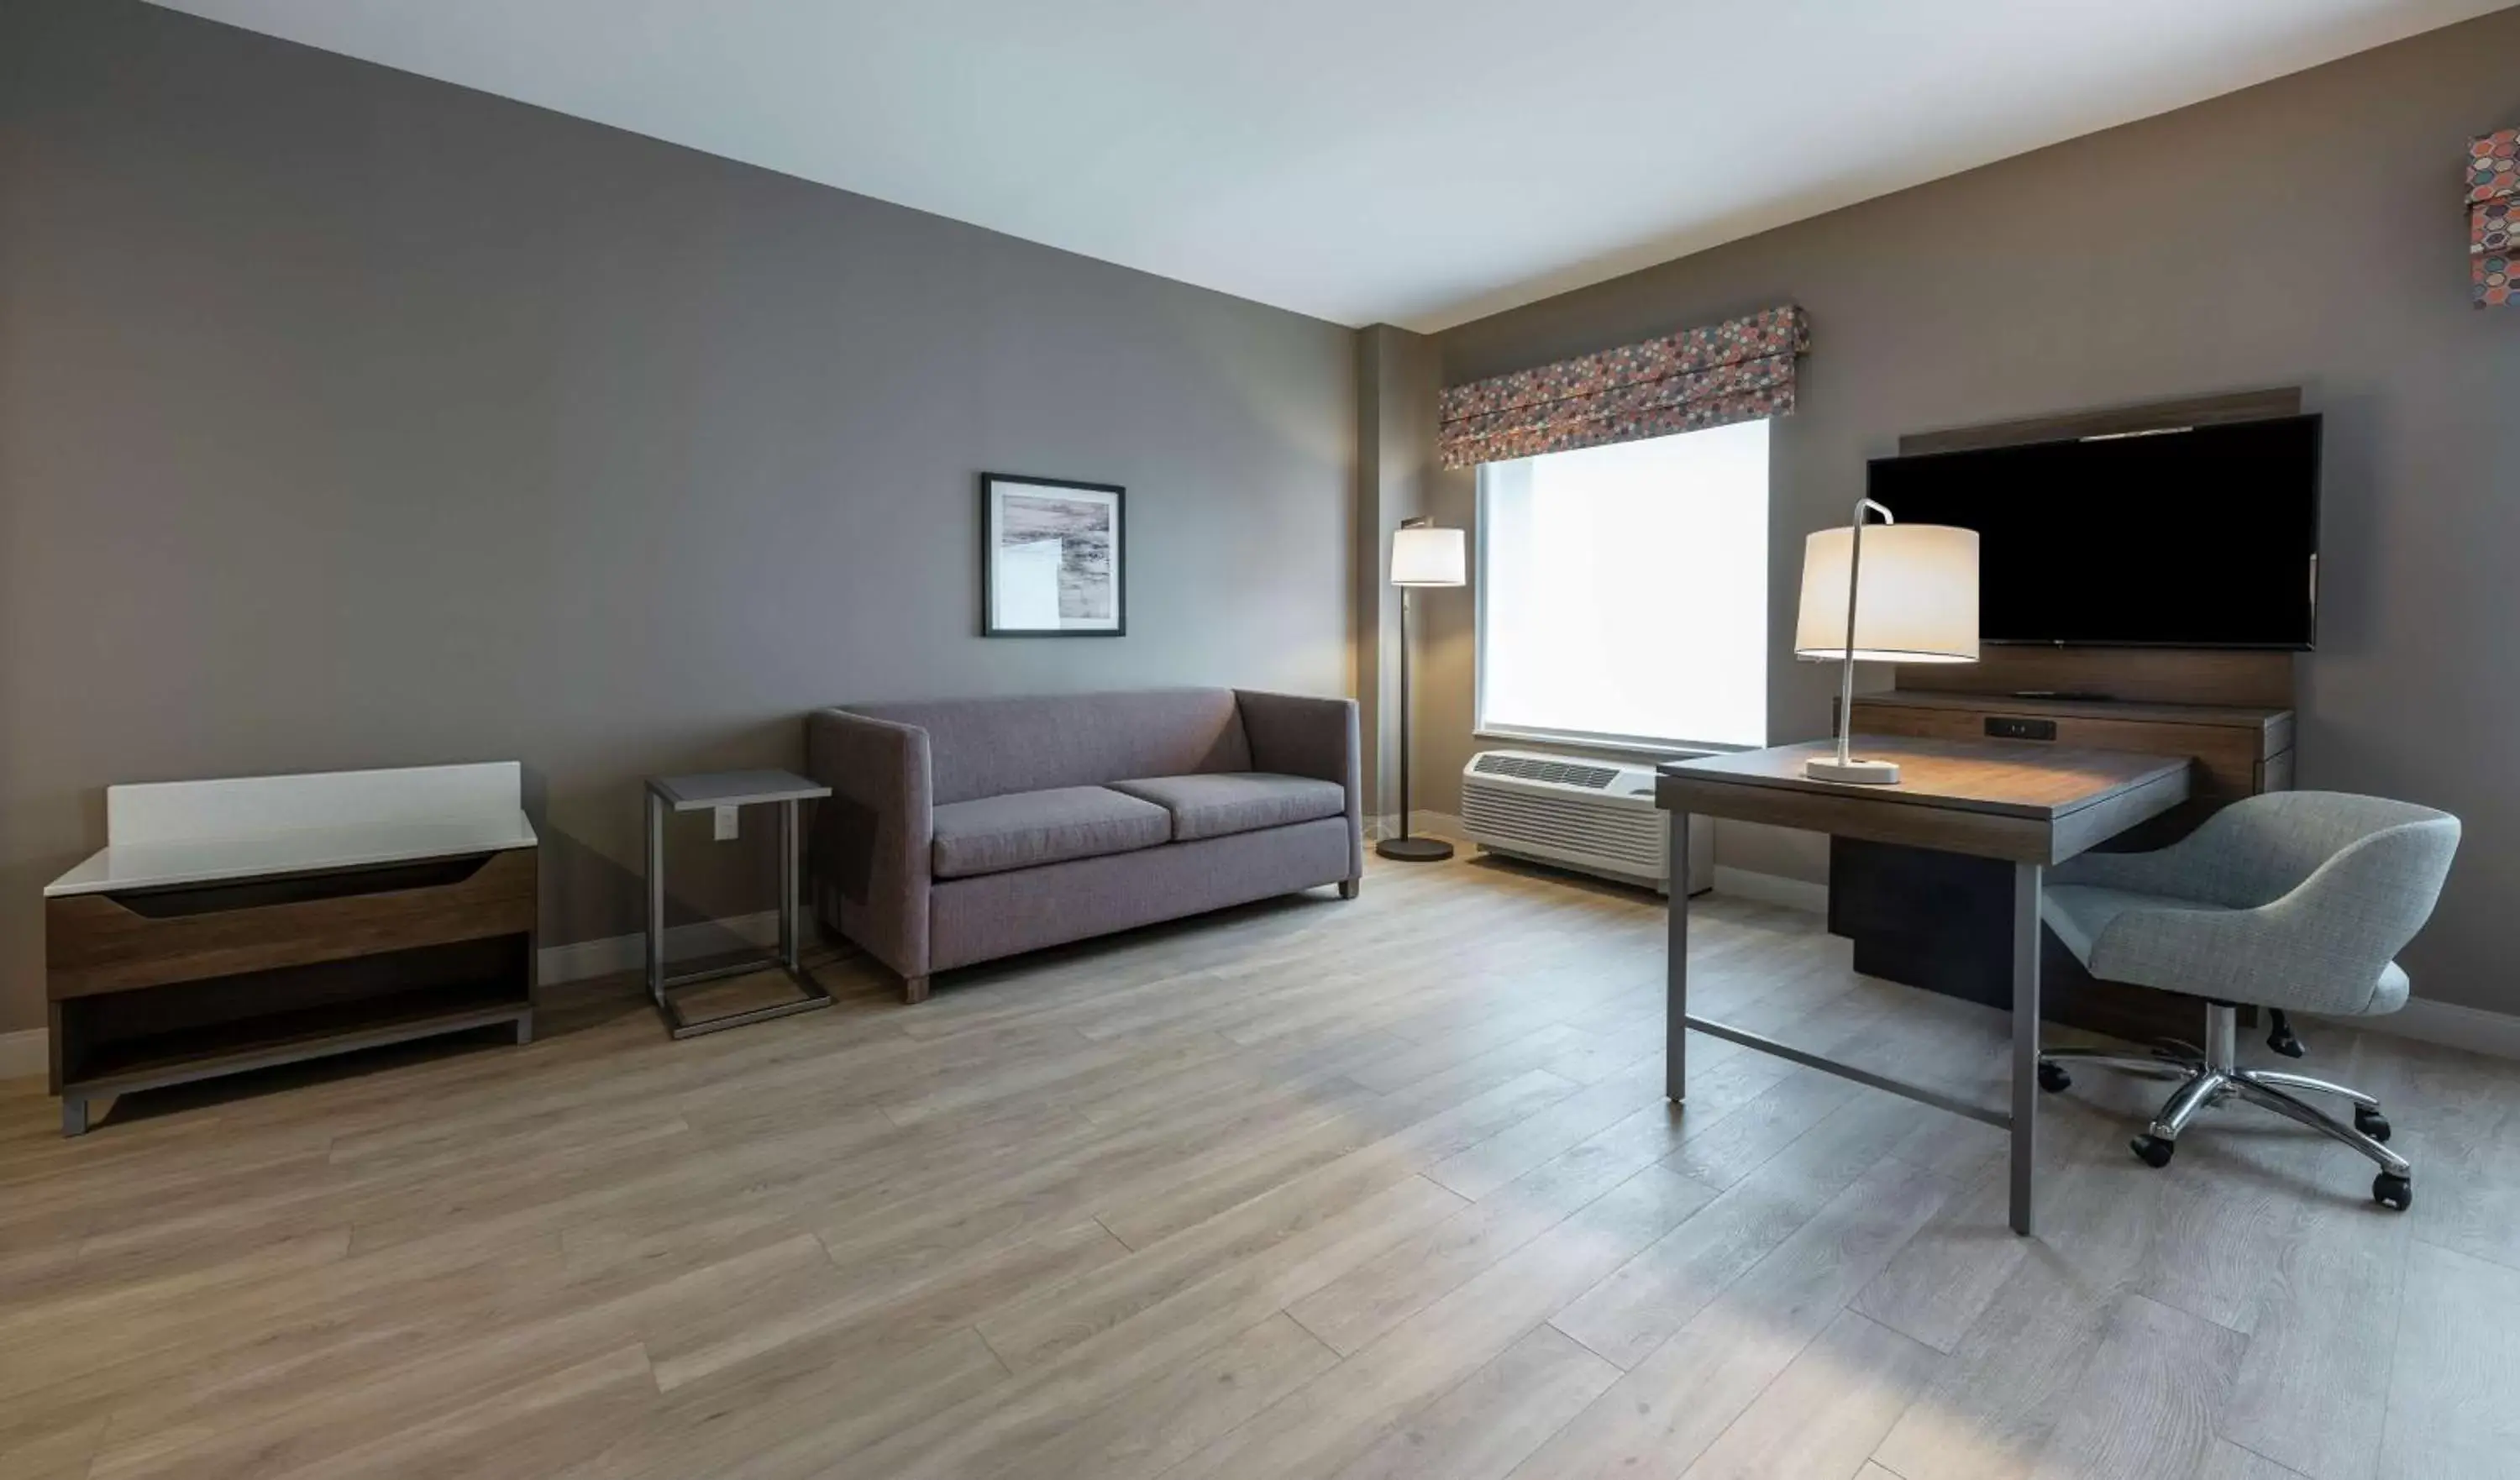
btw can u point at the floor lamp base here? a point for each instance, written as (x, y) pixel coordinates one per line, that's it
(1415, 850)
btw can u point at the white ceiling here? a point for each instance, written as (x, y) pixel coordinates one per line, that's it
(1414, 162)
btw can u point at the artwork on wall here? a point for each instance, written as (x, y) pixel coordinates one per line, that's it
(1051, 558)
(2492, 215)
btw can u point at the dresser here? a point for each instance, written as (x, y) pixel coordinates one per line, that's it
(236, 925)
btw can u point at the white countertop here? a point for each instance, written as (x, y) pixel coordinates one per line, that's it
(151, 866)
(161, 834)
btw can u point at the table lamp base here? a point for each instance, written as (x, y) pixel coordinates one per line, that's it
(1860, 772)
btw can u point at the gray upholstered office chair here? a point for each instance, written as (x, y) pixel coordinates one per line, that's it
(2293, 899)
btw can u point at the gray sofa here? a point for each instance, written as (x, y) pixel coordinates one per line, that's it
(960, 830)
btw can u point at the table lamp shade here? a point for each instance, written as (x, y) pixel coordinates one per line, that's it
(1425, 556)
(1918, 602)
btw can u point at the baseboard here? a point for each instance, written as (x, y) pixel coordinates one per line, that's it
(2446, 1023)
(1772, 889)
(1443, 825)
(24, 1055)
(1422, 824)
(612, 953)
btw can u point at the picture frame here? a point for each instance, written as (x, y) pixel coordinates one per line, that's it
(1053, 557)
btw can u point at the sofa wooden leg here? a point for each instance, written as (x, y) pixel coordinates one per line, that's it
(914, 989)
(1348, 888)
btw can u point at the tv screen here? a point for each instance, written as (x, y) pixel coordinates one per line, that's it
(2203, 538)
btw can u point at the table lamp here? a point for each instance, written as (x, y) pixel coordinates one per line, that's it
(1892, 594)
(1421, 555)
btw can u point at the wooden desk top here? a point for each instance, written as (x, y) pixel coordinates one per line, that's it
(2021, 800)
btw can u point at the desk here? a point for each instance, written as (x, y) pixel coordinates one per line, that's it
(2032, 805)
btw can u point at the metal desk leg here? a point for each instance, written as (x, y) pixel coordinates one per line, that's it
(1675, 1028)
(656, 898)
(787, 886)
(2026, 884)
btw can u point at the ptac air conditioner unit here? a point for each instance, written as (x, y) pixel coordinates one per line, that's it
(1577, 813)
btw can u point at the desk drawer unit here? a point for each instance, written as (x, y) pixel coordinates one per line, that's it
(1926, 916)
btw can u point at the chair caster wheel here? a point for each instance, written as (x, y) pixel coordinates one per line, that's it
(2391, 1190)
(2153, 1151)
(2053, 1079)
(2372, 1123)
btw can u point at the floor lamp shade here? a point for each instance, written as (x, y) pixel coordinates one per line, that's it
(1918, 597)
(1425, 556)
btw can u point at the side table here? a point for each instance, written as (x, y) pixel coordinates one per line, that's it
(728, 788)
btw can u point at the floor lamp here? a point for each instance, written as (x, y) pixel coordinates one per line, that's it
(1421, 555)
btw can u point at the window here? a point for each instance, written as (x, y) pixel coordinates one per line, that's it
(1623, 590)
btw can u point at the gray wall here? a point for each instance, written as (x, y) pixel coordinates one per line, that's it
(348, 419)
(1395, 428)
(2306, 231)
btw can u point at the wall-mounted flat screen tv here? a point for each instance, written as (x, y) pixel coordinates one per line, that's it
(2201, 538)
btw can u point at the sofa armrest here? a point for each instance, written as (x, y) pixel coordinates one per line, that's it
(1294, 735)
(873, 834)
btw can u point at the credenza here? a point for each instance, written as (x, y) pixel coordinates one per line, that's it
(238, 925)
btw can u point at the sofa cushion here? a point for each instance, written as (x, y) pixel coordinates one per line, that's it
(996, 746)
(1241, 801)
(991, 835)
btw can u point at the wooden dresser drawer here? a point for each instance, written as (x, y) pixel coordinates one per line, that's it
(96, 943)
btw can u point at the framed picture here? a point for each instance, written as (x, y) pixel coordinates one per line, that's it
(1052, 558)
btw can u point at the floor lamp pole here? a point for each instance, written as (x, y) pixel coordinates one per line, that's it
(1420, 850)
(1404, 714)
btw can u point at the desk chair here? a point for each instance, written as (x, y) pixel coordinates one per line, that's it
(2292, 900)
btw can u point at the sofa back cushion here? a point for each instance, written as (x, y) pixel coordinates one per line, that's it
(993, 746)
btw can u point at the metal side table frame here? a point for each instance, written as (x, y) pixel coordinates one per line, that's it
(732, 788)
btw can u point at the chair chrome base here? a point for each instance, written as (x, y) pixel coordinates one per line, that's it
(2209, 1076)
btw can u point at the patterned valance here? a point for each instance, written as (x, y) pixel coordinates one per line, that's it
(1733, 372)
(2493, 213)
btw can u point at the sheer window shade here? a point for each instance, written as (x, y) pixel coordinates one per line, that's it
(1623, 591)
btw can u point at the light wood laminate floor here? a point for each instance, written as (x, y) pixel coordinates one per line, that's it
(1315, 1188)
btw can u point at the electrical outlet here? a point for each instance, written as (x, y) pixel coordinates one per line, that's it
(724, 819)
(2005, 726)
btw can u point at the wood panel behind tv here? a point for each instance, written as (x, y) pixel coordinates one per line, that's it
(1929, 919)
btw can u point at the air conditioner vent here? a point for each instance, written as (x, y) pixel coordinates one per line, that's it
(1575, 814)
(1537, 767)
